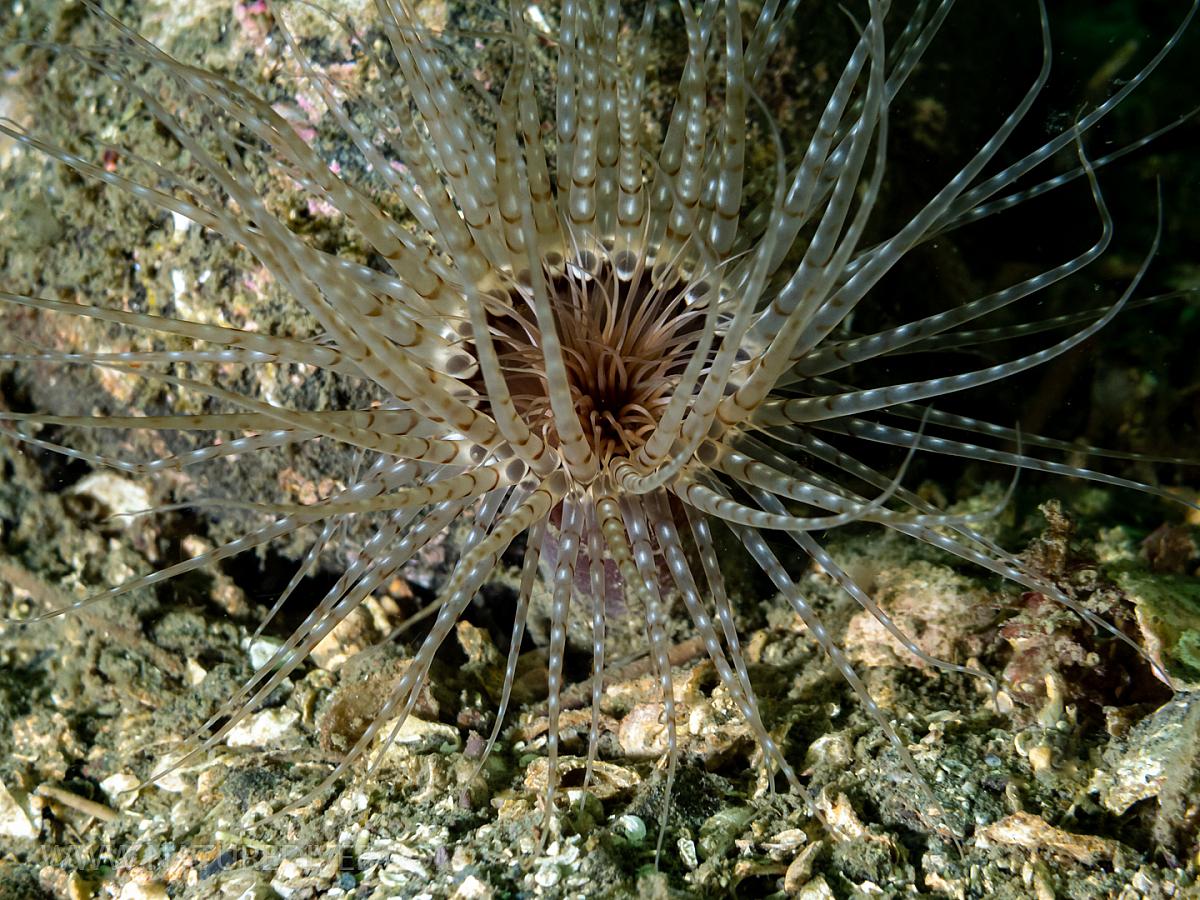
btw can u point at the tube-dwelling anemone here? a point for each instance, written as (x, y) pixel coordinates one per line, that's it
(606, 344)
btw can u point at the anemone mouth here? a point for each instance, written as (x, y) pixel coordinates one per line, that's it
(628, 329)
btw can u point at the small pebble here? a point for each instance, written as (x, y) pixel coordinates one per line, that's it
(262, 650)
(473, 889)
(14, 821)
(632, 828)
(118, 496)
(687, 852)
(1040, 758)
(119, 788)
(151, 890)
(262, 728)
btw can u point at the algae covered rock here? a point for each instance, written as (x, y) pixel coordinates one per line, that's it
(1168, 613)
